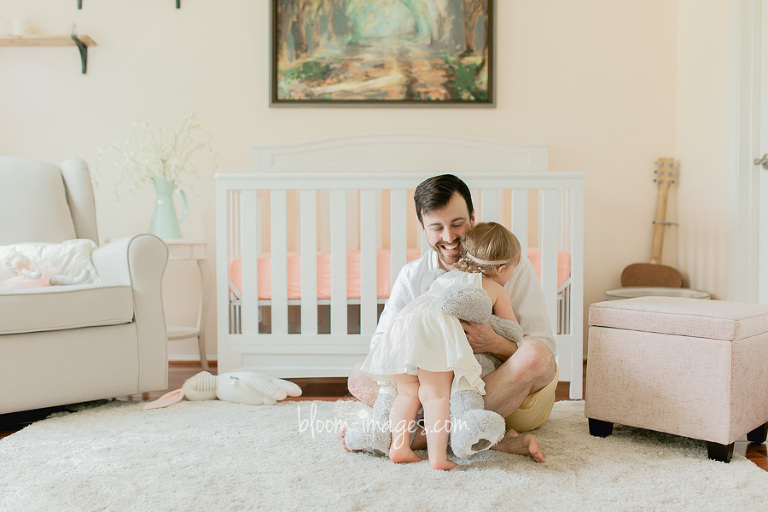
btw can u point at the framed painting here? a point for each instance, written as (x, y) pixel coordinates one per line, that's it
(382, 52)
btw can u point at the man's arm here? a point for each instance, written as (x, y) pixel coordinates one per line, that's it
(401, 295)
(406, 288)
(482, 338)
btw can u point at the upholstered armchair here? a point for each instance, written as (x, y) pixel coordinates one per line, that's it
(79, 342)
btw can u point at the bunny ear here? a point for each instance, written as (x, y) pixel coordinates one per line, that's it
(166, 400)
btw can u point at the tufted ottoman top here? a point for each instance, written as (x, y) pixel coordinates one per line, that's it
(712, 319)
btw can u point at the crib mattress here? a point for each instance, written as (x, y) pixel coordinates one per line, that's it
(383, 281)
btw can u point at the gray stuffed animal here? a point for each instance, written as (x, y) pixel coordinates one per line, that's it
(474, 428)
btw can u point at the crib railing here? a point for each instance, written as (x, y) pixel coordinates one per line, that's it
(270, 212)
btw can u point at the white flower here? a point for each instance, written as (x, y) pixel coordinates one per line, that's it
(153, 152)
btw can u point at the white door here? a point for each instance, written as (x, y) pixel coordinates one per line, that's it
(748, 133)
(748, 110)
(761, 171)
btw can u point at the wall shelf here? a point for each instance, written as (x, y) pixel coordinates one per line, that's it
(82, 43)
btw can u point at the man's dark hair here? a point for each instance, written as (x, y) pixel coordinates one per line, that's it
(436, 192)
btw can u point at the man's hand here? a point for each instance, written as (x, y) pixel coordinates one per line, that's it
(482, 338)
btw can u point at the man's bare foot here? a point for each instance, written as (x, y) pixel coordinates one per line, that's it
(361, 386)
(512, 442)
(444, 464)
(403, 455)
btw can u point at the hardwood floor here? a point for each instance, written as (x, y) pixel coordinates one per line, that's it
(331, 389)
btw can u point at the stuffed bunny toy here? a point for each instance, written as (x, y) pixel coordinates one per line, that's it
(239, 386)
(474, 428)
(33, 265)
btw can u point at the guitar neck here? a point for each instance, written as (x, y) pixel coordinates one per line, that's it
(666, 174)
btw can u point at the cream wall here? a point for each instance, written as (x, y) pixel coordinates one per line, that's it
(596, 79)
(702, 111)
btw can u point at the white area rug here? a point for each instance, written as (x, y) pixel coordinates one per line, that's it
(217, 456)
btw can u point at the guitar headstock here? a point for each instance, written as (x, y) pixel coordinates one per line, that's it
(666, 171)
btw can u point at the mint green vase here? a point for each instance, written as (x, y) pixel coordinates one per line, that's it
(165, 222)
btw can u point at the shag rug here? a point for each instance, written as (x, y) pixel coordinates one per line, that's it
(220, 456)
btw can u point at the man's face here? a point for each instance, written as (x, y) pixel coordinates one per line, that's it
(445, 227)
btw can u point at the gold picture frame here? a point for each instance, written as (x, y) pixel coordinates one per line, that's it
(382, 52)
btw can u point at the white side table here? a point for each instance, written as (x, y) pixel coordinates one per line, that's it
(181, 249)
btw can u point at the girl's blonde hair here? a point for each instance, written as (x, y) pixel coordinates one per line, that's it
(489, 242)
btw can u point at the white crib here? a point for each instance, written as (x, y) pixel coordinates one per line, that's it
(349, 198)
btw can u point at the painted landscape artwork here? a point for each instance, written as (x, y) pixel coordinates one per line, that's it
(382, 51)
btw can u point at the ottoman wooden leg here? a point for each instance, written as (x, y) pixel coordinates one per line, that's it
(759, 435)
(600, 428)
(721, 452)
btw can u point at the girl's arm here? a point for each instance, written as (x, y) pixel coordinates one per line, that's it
(502, 307)
(481, 337)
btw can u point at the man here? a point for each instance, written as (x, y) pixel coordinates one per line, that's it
(522, 389)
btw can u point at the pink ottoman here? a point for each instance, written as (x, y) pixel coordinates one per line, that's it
(694, 368)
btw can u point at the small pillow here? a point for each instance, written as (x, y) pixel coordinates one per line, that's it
(43, 264)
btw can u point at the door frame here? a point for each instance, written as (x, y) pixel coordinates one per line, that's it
(746, 52)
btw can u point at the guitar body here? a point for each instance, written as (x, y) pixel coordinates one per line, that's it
(654, 273)
(651, 274)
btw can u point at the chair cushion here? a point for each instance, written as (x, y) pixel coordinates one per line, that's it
(33, 202)
(711, 319)
(64, 307)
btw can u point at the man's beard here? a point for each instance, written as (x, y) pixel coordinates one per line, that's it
(448, 253)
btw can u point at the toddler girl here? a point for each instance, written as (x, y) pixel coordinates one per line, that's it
(425, 353)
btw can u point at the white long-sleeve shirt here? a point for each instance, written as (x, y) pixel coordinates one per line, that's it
(523, 287)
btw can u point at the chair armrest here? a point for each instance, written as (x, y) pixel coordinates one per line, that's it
(126, 260)
(139, 262)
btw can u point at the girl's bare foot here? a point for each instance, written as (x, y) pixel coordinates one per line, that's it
(521, 445)
(403, 455)
(443, 464)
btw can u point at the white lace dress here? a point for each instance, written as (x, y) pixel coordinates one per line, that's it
(422, 336)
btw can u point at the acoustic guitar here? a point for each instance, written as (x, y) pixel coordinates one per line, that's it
(654, 273)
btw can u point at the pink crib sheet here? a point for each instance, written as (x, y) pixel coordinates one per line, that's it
(353, 273)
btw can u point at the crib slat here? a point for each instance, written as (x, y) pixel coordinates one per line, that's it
(577, 286)
(520, 217)
(308, 222)
(368, 264)
(279, 243)
(338, 262)
(398, 238)
(232, 236)
(224, 293)
(250, 231)
(564, 235)
(234, 224)
(548, 206)
(489, 205)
